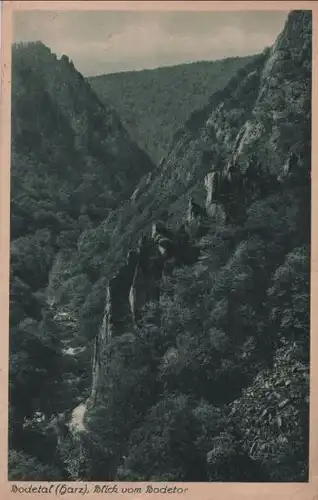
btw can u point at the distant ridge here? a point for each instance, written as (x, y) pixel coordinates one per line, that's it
(168, 66)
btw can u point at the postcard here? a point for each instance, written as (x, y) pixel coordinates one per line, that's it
(159, 260)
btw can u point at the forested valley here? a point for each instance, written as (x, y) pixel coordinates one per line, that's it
(154, 104)
(159, 293)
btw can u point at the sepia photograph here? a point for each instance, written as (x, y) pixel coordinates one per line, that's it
(160, 245)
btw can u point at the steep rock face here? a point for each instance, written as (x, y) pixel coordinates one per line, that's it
(145, 284)
(127, 292)
(262, 141)
(213, 208)
(278, 130)
(135, 284)
(117, 317)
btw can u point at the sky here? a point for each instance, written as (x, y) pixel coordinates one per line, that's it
(100, 42)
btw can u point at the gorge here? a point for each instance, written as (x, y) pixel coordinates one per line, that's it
(184, 285)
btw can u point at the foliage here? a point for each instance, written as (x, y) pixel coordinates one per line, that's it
(23, 467)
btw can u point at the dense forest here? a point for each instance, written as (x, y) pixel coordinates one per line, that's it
(159, 312)
(153, 104)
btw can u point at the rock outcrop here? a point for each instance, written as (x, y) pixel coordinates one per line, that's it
(137, 283)
(132, 286)
(141, 188)
(117, 316)
(213, 207)
(145, 284)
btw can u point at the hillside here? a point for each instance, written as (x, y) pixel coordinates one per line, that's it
(192, 296)
(153, 104)
(72, 164)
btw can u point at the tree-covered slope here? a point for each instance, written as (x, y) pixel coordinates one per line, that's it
(153, 104)
(72, 163)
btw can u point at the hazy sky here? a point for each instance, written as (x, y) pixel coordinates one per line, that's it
(111, 41)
